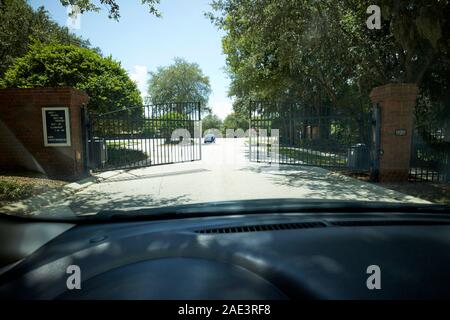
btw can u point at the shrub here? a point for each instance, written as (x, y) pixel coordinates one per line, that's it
(57, 65)
(123, 157)
(11, 191)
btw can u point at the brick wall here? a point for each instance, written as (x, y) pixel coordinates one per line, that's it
(397, 102)
(22, 144)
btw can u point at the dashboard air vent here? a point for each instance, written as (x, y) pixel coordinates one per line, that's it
(264, 227)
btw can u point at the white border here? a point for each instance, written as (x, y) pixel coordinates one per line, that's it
(44, 125)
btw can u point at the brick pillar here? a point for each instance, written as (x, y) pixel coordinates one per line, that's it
(22, 134)
(397, 102)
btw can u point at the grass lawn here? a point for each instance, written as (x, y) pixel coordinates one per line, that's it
(312, 158)
(22, 185)
(122, 143)
(123, 156)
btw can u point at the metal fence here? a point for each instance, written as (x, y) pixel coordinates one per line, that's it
(315, 136)
(324, 137)
(430, 154)
(145, 136)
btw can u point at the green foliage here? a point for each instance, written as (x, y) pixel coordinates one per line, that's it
(320, 52)
(313, 158)
(57, 65)
(20, 24)
(179, 82)
(211, 121)
(118, 156)
(12, 191)
(235, 121)
(166, 125)
(113, 7)
(163, 127)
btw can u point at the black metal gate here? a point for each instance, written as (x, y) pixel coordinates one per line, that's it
(430, 154)
(145, 136)
(311, 136)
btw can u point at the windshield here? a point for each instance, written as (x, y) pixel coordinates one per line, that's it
(124, 105)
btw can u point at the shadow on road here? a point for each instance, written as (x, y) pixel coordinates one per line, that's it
(150, 176)
(93, 202)
(323, 184)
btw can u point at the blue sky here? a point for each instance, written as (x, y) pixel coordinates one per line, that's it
(143, 42)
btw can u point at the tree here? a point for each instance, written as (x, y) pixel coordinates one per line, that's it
(167, 124)
(20, 24)
(235, 121)
(58, 65)
(211, 121)
(179, 82)
(113, 7)
(320, 52)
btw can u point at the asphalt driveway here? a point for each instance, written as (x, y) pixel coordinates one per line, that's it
(224, 174)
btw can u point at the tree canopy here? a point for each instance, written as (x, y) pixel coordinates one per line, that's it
(235, 121)
(180, 82)
(20, 25)
(322, 51)
(211, 121)
(59, 65)
(113, 7)
(165, 126)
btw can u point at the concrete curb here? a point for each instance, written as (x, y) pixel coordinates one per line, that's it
(37, 202)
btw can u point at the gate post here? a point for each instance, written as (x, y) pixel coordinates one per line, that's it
(43, 131)
(85, 138)
(250, 131)
(199, 110)
(447, 171)
(376, 144)
(396, 102)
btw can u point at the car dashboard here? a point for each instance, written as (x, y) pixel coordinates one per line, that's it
(258, 256)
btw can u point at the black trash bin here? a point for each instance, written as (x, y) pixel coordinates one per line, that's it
(359, 157)
(99, 153)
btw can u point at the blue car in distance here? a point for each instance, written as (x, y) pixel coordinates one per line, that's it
(209, 138)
